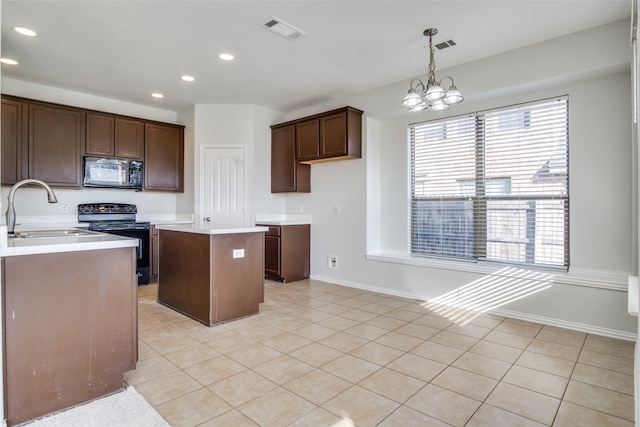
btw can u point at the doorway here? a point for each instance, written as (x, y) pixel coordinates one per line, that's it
(223, 186)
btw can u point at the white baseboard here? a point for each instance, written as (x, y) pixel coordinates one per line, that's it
(582, 327)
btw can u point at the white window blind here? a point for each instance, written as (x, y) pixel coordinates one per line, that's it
(493, 185)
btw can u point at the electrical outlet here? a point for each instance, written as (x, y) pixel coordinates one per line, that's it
(332, 261)
(300, 209)
(65, 208)
(338, 209)
(238, 253)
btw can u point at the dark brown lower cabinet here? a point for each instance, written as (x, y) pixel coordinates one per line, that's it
(70, 328)
(287, 252)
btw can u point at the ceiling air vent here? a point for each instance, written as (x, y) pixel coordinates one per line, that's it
(444, 45)
(283, 29)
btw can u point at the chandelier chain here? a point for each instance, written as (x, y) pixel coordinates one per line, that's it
(431, 75)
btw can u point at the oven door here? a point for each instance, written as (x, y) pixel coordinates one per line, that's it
(143, 259)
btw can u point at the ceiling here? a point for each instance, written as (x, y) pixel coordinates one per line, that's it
(126, 50)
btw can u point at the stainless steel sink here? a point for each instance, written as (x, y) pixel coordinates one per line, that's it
(70, 232)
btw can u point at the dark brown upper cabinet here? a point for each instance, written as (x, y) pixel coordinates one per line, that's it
(12, 146)
(287, 175)
(129, 139)
(55, 140)
(112, 136)
(296, 144)
(100, 135)
(334, 135)
(164, 157)
(41, 141)
(308, 140)
(46, 141)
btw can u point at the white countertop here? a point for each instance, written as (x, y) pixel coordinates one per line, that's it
(212, 229)
(170, 222)
(283, 219)
(45, 245)
(71, 221)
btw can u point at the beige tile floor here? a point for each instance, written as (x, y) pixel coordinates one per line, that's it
(320, 354)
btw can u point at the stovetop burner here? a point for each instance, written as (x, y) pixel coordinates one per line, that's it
(119, 225)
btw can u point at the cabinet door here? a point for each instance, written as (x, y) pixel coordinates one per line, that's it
(272, 255)
(333, 136)
(287, 175)
(164, 158)
(11, 155)
(56, 138)
(308, 140)
(129, 139)
(100, 136)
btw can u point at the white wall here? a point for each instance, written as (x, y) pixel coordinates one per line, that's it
(242, 125)
(592, 67)
(185, 201)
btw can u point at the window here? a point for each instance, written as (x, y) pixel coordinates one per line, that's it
(493, 185)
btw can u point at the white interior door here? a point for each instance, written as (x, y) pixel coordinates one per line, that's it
(223, 186)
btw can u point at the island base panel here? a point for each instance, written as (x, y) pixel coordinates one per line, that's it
(70, 330)
(204, 276)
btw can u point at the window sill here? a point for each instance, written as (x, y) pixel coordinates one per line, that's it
(603, 279)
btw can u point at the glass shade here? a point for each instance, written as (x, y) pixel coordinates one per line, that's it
(439, 105)
(453, 96)
(434, 93)
(422, 106)
(411, 99)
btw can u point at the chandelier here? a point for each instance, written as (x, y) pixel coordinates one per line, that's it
(432, 95)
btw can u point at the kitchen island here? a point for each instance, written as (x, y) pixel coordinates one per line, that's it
(211, 274)
(70, 310)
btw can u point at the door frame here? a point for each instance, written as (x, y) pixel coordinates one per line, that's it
(203, 147)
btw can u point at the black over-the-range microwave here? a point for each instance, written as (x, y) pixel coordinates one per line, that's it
(113, 173)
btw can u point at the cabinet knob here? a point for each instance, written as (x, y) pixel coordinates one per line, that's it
(207, 219)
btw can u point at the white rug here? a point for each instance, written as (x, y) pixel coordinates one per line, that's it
(125, 409)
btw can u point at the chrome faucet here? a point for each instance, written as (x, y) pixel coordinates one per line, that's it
(11, 212)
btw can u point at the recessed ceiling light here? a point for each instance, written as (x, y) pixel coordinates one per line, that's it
(226, 57)
(157, 95)
(187, 78)
(25, 31)
(8, 61)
